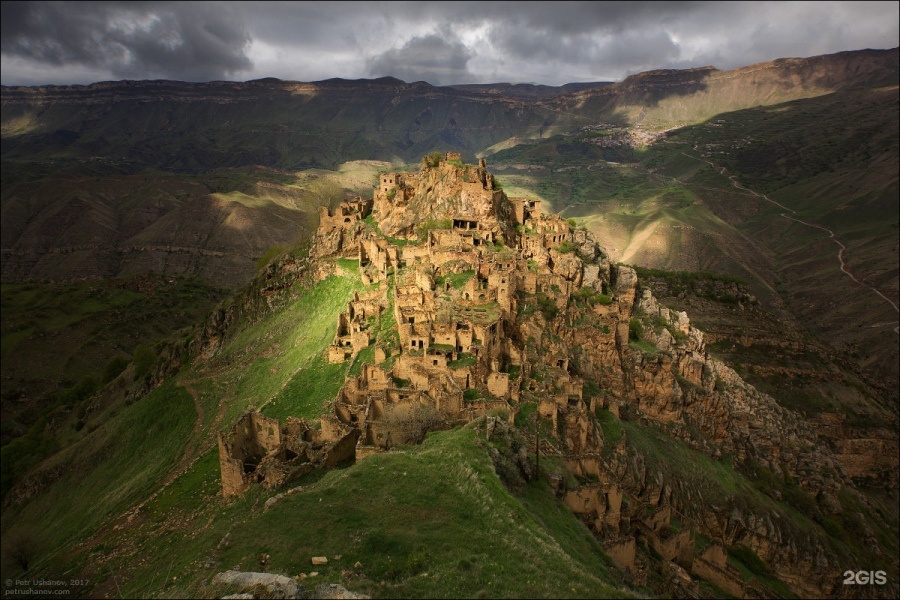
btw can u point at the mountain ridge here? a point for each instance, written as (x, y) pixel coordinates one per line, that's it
(660, 449)
(778, 472)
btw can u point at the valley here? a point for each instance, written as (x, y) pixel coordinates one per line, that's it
(176, 257)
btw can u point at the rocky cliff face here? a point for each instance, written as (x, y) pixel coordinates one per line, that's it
(659, 99)
(502, 310)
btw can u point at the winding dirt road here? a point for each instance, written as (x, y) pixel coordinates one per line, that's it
(841, 246)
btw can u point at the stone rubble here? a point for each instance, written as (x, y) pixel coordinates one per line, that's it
(493, 305)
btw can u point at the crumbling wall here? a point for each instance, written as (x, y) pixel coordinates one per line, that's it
(713, 566)
(251, 440)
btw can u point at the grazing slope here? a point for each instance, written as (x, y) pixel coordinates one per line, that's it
(655, 457)
(782, 179)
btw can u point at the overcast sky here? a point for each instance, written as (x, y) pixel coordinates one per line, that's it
(441, 43)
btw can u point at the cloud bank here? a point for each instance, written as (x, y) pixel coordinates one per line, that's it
(441, 43)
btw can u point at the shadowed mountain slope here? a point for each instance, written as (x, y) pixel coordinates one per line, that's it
(580, 425)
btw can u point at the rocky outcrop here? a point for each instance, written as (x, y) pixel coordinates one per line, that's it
(269, 290)
(273, 586)
(501, 309)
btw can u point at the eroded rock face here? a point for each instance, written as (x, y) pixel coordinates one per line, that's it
(499, 306)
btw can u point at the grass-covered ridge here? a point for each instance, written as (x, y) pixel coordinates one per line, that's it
(142, 480)
(462, 534)
(62, 341)
(127, 453)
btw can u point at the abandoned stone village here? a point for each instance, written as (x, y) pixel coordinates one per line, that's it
(481, 305)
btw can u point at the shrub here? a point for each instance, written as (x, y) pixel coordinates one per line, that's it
(566, 247)
(524, 414)
(113, 368)
(78, 392)
(413, 420)
(471, 394)
(144, 358)
(635, 329)
(590, 296)
(432, 160)
(547, 306)
(20, 454)
(590, 389)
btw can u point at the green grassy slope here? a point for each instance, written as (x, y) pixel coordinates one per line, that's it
(125, 453)
(133, 504)
(415, 534)
(62, 341)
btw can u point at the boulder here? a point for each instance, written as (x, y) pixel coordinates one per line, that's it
(275, 586)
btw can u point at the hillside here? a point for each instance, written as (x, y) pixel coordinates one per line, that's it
(117, 178)
(87, 223)
(443, 326)
(293, 125)
(718, 419)
(665, 99)
(694, 200)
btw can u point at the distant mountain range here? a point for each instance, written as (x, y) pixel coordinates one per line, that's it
(291, 125)
(203, 179)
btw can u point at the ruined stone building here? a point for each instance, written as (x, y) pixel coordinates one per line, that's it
(260, 449)
(481, 304)
(453, 293)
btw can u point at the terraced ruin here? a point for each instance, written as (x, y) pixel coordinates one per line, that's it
(481, 307)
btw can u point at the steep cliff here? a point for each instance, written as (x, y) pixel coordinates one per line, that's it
(484, 307)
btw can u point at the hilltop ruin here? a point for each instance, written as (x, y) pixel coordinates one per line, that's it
(484, 305)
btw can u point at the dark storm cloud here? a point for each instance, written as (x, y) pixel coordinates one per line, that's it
(194, 41)
(437, 58)
(626, 49)
(440, 42)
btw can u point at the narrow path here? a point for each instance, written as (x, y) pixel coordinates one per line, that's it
(131, 517)
(841, 246)
(194, 449)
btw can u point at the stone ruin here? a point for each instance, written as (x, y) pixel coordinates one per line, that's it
(462, 293)
(454, 297)
(260, 449)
